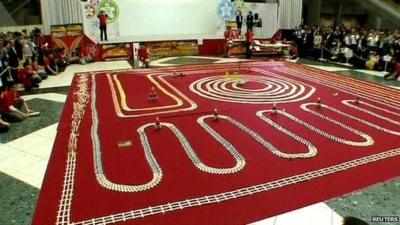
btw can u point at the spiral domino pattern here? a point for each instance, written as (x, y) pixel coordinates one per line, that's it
(275, 90)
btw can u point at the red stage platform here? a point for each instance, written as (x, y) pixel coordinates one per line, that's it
(284, 136)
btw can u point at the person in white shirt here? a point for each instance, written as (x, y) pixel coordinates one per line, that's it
(371, 40)
(354, 40)
(28, 49)
(347, 40)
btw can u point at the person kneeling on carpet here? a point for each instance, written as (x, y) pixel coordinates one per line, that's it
(144, 55)
(4, 126)
(394, 73)
(12, 106)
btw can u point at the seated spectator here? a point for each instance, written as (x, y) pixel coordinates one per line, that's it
(62, 59)
(21, 74)
(4, 126)
(36, 68)
(84, 56)
(50, 65)
(394, 73)
(29, 78)
(372, 63)
(12, 106)
(144, 55)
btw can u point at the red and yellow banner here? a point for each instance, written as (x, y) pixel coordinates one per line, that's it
(161, 49)
(116, 51)
(69, 37)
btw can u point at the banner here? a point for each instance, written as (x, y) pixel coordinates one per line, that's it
(67, 37)
(116, 51)
(74, 30)
(58, 31)
(172, 48)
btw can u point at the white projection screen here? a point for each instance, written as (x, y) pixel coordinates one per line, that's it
(163, 19)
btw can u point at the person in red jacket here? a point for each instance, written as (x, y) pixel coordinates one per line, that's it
(249, 42)
(144, 55)
(4, 126)
(29, 78)
(50, 64)
(103, 25)
(62, 59)
(12, 105)
(228, 41)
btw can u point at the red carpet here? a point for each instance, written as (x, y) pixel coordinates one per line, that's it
(251, 162)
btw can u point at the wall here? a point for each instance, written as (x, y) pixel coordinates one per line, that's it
(268, 13)
(290, 13)
(5, 18)
(60, 12)
(168, 17)
(320, 12)
(349, 12)
(143, 20)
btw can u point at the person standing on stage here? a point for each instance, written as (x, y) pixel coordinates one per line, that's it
(239, 21)
(250, 21)
(249, 41)
(103, 25)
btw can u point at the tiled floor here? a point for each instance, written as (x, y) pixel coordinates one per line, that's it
(25, 151)
(317, 214)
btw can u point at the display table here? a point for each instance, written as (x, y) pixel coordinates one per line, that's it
(267, 48)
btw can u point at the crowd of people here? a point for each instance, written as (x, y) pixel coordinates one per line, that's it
(363, 48)
(25, 60)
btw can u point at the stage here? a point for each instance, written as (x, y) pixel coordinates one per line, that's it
(236, 143)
